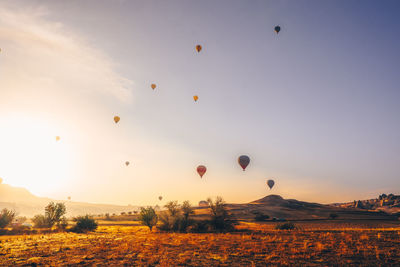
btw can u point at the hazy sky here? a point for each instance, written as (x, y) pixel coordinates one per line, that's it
(316, 106)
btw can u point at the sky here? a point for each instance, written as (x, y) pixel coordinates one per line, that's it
(315, 107)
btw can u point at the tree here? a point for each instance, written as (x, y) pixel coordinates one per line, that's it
(220, 217)
(148, 217)
(172, 207)
(54, 213)
(6, 217)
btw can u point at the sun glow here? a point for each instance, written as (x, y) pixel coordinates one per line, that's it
(30, 155)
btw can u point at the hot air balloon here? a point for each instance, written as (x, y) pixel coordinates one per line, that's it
(116, 119)
(126, 163)
(198, 48)
(57, 138)
(69, 198)
(201, 170)
(160, 198)
(1, 180)
(195, 98)
(153, 86)
(270, 183)
(277, 29)
(243, 161)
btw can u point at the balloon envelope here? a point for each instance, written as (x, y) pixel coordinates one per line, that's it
(270, 183)
(116, 119)
(153, 86)
(160, 198)
(127, 163)
(243, 161)
(195, 97)
(201, 170)
(57, 138)
(198, 48)
(277, 29)
(69, 198)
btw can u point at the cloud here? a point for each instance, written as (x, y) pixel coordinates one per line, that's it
(42, 57)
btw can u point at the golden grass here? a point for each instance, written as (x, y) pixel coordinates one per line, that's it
(256, 245)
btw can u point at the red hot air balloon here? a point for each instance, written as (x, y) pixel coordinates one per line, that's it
(243, 161)
(201, 170)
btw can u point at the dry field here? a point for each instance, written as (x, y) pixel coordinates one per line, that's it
(315, 244)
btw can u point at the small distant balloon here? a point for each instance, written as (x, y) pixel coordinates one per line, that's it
(270, 183)
(243, 161)
(58, 138)
(126, 163)
(153, 86)
(1, 180)
(69, 198)
(116, 119)
(277, 29)
(160, 198)
(201, 170)
(195, 98)
(198, 48)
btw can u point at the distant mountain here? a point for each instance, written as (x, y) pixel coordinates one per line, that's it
(27, 204)
(291, 209)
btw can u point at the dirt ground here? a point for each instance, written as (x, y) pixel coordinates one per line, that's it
(127, 243)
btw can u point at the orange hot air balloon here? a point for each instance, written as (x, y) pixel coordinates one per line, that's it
(69, 198)
(195, 98)
(243, 161)
(57, 138)
(153, 86)
(198, 48)
(127, 163)
(160, 198)
(201, 170)
(116, 119)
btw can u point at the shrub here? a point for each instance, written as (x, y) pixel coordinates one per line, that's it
(6, 217)
(176, 218)
(63, 223)
(221, 220)
(261, 217)
(333, 216)
(84, 224)
(148, 217)
(202, 226)
(286, 226)
(40, 221)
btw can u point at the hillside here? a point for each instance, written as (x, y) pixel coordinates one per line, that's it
(291, 209)
(388, 203)
(27, 204)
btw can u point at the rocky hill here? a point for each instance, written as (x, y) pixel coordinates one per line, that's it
(388, 203)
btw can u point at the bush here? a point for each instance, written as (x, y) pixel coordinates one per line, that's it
(200, 227)
(84, 224)
(333, 216)
(261, 217)
(40, 221)
(148, 217)
(286, 226)
(176, 218)
(6, 217)
(221, 219)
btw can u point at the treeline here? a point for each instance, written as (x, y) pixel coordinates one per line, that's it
(53, 218)
(178, 218)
